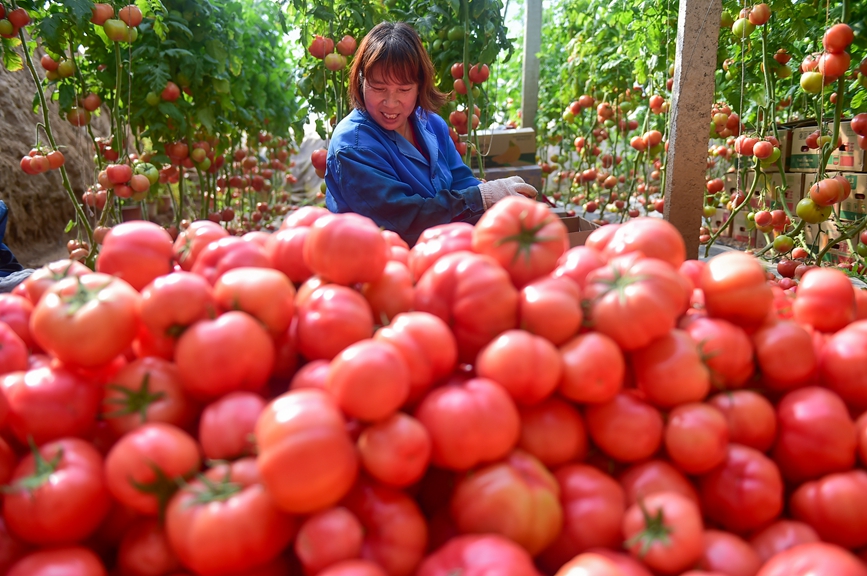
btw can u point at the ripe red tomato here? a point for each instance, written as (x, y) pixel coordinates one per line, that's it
(814, 558)
(743, 493)
(346, 249)
(523, 236)
(353, 568)
(835, 507)
(780, 536)
(669, 370)
(626, 428)
(734, 289)
(825, 300)
(15, 312)
(471, 553)
(13, 351)
(215, 534)
(327, 538)
(137, 252)
(551, 308)
(751, 418)
(263, 293)
(306, 458)
(591, 564)
(131, 15)
(75, 560)
(361, 363)
(391, 294)
(469, 423)
(653, 237)
(578, 262)
(696, 436)
(286, 251)
(145, 550)
(839, 364)
(527, 366)
(172, 303)
(43, 278)
(479, 73)
(653, 476)
(57, 494)
(330, 319)
(321, 46)
(227, 425)
(229, 253)
(436, 242)
(396, 451)
(228, 354)
(785, 355)
(664, 532)
(195, 238)
(347, 45)
(49, 403)
(827, 192)
(553, 431)
(142, 468)
(19, 17)
(87, 321)
(725, 349)
(727, 553)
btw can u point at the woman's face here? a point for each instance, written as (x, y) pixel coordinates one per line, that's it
(390, 104)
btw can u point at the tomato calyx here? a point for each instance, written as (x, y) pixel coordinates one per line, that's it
(219, 491)
(43, 469)
(133, 401)
(82, 296)
(161, 487)
(619, 281)
(526, 237)
(655, 530)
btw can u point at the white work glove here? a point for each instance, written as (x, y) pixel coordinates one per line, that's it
(496, 190)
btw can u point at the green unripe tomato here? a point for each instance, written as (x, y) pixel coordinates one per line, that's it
(149, 171)
(772, 159)
(568, 117)
(477, 92)
(221, 86)
(742, 28)
(655, 151)
(811, 82)
(456, 33)
(437, 45)
(626, 107)
(812, 213)
(783, 244)
(709, 211)
(609, 123)
(152, 98)
(861, 249)
(726, 20)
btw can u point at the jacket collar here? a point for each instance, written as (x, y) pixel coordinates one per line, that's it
(405, 147)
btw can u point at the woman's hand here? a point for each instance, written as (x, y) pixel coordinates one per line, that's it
(498, 189)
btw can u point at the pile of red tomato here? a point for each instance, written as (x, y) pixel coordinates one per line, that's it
(325, 400)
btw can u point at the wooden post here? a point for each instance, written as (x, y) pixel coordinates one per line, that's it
(692, 97)
(530, 73)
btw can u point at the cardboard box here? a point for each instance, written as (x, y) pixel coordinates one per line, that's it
(515, 147)
(741, 231)
(579, 229)
(772, 182)
(722, 219)
(847, 158)
(532, 174)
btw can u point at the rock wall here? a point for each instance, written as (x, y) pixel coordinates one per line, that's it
(39, 207)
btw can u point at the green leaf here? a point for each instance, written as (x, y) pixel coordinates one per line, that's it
(322, 13)
(69, 226)
(66, 92)
(206, 117)
(11, 60)
(171, 111)
(859, 99)
(82, 10)
(50, 29)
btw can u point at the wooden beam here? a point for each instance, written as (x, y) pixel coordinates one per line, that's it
(692, 97)
(530, 71)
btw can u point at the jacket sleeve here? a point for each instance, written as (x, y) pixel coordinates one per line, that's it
(369, 186)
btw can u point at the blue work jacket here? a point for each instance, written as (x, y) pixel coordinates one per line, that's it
(378, 173)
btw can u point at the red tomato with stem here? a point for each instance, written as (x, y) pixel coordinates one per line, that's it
(172, 303)
(57, 494)
(43, 278)
(645, 478)
(814, 559)
(523, 236)
(593, 369)
(137, 252)
(551, 308)
(527, 366)
(145, 550)
(227, 425)
(669, 370)
(306, 458)
(780, 536)
(696, 436)
(553, 431)
(143, 468)
(265, 294)
(346, 249)
(229, 523)
(436, 242)
(751, 418)
(87, 321)
(70, 560)
(785, 355)
(734, 289)
(331, 319)
(478, 553)
(825, 300)
(834, 506)
(627, 428)
(664, 531)
(354, 369)
(517, 498)
(327, 538)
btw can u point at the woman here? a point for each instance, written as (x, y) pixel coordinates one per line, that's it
(391, 159)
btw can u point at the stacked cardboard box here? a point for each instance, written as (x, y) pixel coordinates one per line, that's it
(848, 157)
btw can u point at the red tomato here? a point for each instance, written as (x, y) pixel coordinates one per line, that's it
(780, 536)
(354, 568)
(725, 349)
(13, 351)
(696, 436)
(137, 252)
(665, 532)
(331, 319)
(523, 236)
(835, 506)
(814, 559)
(265, 294)
(346, 249)
(87, 321)
(735, 289)
(226, 254)
(436, 242)
(195, 238)
(825, 300)
(728, 554)
(69, 561)
(306, 457)
(143, 467)
(578, 262)
(8, 463)
(599, 239)
(751, 418)
(816, 436)
(391, 294)
(590, 564)
(145, 390)
(551, 308)
(145, 550)
(478, 554)
(172, 303)
(528, 367)
(743, 493)
(43, 278)
(840, 362)
(356, 367)
(426, 344)
(472, 294)
(50, 403)
(227, 425)
(785, 355)
(628, 565)
(653, 476)
(57, 494)
(395, 451)
(517, 498)
(395, 532)
(228, 524)
(311, 375)
(469, 423)
(286, 251)
(328, 537)
(669, 370)
(303, 216)
(228, 354)
(652, 237)
(11, 549)
(593, 369)
(649, 308)
(553, 431)
(626, 428)
(15, 311)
